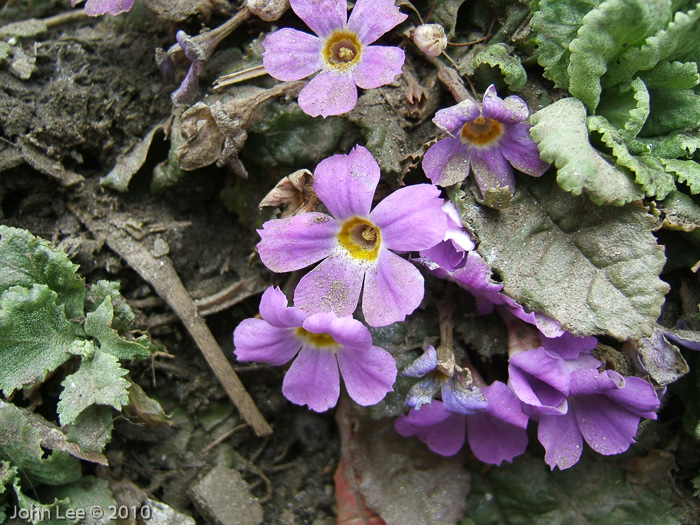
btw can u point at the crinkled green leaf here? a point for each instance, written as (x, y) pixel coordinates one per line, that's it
(98, 324)
(680, 212)
(594, 491)
(562, 137)
(674, 146)
(626, 107)
(445, 14)
(649, 172)
(593, 269)
(8, 473)
(669, 43)
(86, 493)
(686, 171)
(26, 260)
(21, 440)
(556, 24)
(672, 75)
(672, 110)
(92, 429)
(605, 34)
(123, 314)
(4, 50)
(39, 513)
(35, 336)
(99, 380)
(498, 55)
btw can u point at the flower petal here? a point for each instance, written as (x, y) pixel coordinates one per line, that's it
(411, 218)
(561, 440)
(462, 400)
(379, 66)
(393, 290)
(274, 309)
(521, 151)
(567, 346)
(291, 55)
(504, 405)
(313, 379)
(322, 16)
(493, 440)
(450, 120)
(346, 183)
(112, 7)
(328, 93)
(344, 330)
(442, 431)
(509, 111)
(447, 162)
(491, 169)
(257, 340)
(422, 392)
(370, 19)
(538, 365)
(424, 364)
(638, 396)
(297, 242)
(368, 374)
(333, 286)
(607, 427)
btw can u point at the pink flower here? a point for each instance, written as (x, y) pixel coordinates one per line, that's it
(101, 7)
(323, 342)
(355, 245)
(341, 52)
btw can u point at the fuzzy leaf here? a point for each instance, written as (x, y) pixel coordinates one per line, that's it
(26, 260)
(562, 137)
(92, 429)
(445, 14)
(596, 490)
(680, 212)
(672, 75)
(35, 336)
(498, 55)
(593, 269)
(98, 324)
(606, 33)
(672, 110)
(556, 24)
(87, 493)
(680, 36)
(674, 147)
(99, 380)
(123, 314)
(649, 172)
(626, 107)
(687, 171)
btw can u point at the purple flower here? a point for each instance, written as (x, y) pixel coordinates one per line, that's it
(489, 140)
(355, 244)
(495, 434)
(101, 7)
(327, 343)
(341, 52)
(604, 409)
(456, 396)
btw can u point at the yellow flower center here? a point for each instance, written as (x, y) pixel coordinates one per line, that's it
(481, 132)
(342, 50)
(323, 340)
(360, 238)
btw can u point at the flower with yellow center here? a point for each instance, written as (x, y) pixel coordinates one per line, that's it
(342, 52)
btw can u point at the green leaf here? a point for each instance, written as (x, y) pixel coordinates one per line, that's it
(596, 490)
(649, 172)
(98, 324)
(626, 107)
(680, 212)
(686, 171)
(593, 269)
(23, 435)
(35, 336)
(39, 513)
(123, 314)
(8, 473)
(24, 28)
(99, 380)
(674, 147)
(669, 43)
(672, 75)
(562, 137)
(606, 33)
(92, 429)
(499, 55)
(86, 493)
(672, 110)
(445, 14)
(556, 24)
(27, 260)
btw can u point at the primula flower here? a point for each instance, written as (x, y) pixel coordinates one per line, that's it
(604, 409)
(323, 342)
(495, 434)
(356, 244)
(101, 7)
(491, 140)
(341, 52)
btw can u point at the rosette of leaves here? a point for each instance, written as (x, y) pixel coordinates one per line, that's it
(50, 325)
(633, 129)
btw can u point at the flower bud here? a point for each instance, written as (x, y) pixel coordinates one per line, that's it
(430, 38)
(268, 10)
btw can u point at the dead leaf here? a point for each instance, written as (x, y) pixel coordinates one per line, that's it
(352, 509)
(295, 194)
